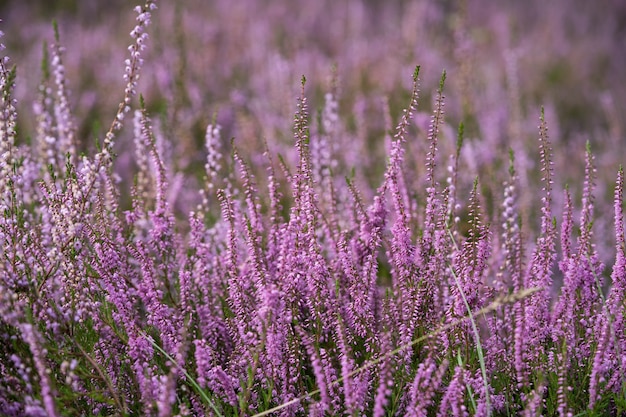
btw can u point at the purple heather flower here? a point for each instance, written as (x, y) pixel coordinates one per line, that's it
(534, 402)
(8, 120)
(132, 72)
(579, 302)
(385, 377)
(318, 364)
(539, 273)
(167, 394)
(470, 262)
(349, 383)
(33, 339)
(142, 153)
(609, 329)
(65, 128)
(453, 398)
(425, 385)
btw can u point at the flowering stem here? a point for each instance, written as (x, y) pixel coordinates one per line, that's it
(479, 349)
(191, 380)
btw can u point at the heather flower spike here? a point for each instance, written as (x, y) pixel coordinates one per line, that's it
(545, 153)
(427, 381)
(450, 192)
(65, 129)
(433, 133)
(45, 138)
(433, 137)
(567, 225)
(586, 218)
(132, 73)
(608, 368)
(212, 166)
(512, 268)
(535, 330)
(250, 192)
(393, 173)
(8, 119)
(301, 131)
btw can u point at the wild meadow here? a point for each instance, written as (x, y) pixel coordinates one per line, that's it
(329, 208)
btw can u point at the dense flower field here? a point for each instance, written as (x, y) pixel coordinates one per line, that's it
(224, 247)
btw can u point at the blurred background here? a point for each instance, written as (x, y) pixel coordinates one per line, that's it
(242, 61)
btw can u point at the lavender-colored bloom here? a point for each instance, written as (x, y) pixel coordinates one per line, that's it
(142, 160)
(534, 404)
(607, 365)
(424, 387)
(46, 141)
(561, 401)
(453, 398)
(579, 302)
(350, 384)
(132, 72)
(212, 168)
(539, 273)
(385, 378)
(32, 338)
(8, 119)
(433, 137)
(167, 395)
(470, 262)
(65, 129)
(318, 364)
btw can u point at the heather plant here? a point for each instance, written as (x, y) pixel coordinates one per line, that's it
(293, 283)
